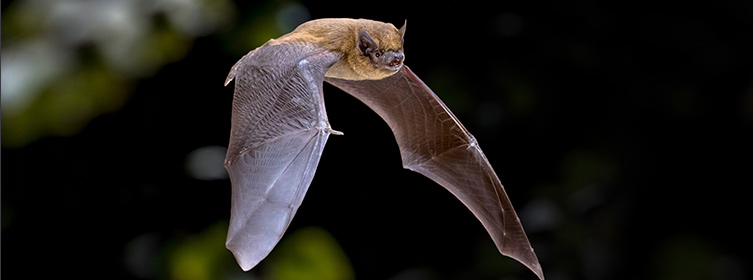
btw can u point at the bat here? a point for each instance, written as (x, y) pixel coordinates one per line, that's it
(279, 128)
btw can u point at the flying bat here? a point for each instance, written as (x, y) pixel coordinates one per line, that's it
(279, 128)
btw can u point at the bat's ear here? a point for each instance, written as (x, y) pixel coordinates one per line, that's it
(402, 29)
(365, 43)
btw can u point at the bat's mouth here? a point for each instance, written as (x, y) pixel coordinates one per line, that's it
(397, 61)
(393, 68)
(393, 60)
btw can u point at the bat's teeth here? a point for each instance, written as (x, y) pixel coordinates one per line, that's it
(335, 132)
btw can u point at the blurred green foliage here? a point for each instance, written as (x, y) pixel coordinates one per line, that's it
(309, 253)
(66, 62)
(51, 49)
(202, 256)
(64, 105)
(304, 254)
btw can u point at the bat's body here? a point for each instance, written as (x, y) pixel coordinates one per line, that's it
(279, 128)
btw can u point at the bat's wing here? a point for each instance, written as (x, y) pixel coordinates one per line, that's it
(434, 143)
(279, 127)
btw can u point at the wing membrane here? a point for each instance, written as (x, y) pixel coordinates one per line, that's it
(434, 143)
(278, 132)
(269, 183)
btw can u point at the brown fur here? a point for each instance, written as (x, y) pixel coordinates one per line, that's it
(340, 36)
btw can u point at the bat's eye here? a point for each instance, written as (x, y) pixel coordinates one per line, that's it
(378, 54)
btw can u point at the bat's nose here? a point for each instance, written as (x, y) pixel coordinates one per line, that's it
(397, 58)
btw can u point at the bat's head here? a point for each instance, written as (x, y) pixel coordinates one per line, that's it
(376, 52)
(385, 52)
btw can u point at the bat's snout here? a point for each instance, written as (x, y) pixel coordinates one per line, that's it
(396, 59)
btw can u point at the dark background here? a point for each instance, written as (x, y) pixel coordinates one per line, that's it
(621, 131)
